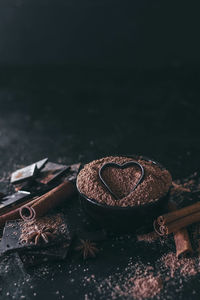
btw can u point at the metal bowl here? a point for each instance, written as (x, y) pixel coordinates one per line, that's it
(125, 219)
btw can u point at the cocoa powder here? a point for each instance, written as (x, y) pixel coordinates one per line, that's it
(137, 281)
(148, 237)
(147, 287)
(155, 184)
(186, 266)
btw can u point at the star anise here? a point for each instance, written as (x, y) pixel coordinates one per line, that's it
(40, 235)
(87, 248)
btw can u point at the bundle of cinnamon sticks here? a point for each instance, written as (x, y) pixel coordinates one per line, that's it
(181, 237)
(175, 220)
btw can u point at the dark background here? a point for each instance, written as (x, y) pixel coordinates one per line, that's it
(84, 79)
(137, 34)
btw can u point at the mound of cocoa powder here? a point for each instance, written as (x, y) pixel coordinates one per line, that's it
(155, 184)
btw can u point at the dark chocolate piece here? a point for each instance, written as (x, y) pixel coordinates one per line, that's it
(24, 173)
(73, 172)
(13, 199)
(33, 258)
(12, 234)
(41, 163)
(51, 172)
(32, 186)
(28, 172)
(24, 186)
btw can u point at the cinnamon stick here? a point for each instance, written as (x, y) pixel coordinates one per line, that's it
(12, 214)
(181, 237)
(182, 242)
(47, 201)
(178, 219)
(181, 223)
(177, 214)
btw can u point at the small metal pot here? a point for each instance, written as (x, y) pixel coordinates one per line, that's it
(125, 219)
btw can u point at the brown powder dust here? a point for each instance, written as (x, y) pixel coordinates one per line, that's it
(137, 281)
(147, 287)
(148, 237)
(186, 266)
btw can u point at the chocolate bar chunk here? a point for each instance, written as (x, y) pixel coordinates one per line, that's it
(41, 163)
(28, 172)
(24, 173)
(33, 258)
(51, 172)
(13, 199)
(39, 234)
(73, 172)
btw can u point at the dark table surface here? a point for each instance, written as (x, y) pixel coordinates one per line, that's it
(79, 114)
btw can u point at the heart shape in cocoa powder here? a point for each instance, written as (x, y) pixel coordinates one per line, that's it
(122, 167)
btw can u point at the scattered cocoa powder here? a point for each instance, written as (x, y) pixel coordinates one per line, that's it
(155, 184)
(137, 281)
(179, 188)
(147, 287)
(148, 237)
(186, 266)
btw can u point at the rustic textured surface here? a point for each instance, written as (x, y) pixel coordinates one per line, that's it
(83, 114)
